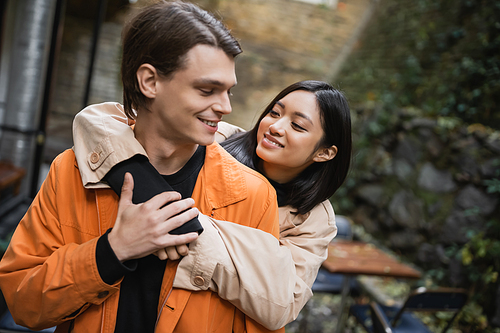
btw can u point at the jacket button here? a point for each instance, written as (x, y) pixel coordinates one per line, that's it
(103, 294)
(94, 157)
(199, 281)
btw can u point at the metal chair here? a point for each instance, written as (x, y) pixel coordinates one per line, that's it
(327, 282)
(386, 319)
(336, 283)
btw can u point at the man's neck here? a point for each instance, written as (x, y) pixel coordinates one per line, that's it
(167, 157)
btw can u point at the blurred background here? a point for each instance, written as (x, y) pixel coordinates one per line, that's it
(422, 78)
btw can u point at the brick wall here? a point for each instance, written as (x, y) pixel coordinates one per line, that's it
(284, 41)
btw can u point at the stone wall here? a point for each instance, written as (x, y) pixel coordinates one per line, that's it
(422, 187)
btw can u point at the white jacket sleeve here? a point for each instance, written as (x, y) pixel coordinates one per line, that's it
(225, 130)
(242, 265)
(307, 237)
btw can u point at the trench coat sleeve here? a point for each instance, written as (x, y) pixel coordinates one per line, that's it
(307, 237)
(46, 280)
(242, 263)
(225, 130)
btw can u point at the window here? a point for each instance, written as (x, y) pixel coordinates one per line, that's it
(329, 3)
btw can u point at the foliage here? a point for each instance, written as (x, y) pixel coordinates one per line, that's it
(493, 185)
(441, 56)
(481, 260)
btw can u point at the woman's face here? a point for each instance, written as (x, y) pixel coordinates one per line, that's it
(288, 136)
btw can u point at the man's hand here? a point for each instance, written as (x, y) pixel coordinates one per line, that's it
(143, 229)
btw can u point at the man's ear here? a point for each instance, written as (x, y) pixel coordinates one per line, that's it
(147, 78)
(325, 154)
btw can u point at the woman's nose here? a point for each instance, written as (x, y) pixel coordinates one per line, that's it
(276, 129)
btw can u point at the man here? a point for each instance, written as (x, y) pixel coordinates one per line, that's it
(82, 258)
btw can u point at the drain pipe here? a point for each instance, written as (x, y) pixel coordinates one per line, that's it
(30, 45)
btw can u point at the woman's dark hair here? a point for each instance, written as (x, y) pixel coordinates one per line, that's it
(320, 180)
(161, 35)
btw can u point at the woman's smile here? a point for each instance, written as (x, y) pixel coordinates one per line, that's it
(271, 142)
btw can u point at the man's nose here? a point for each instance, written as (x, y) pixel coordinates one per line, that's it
(223, 105)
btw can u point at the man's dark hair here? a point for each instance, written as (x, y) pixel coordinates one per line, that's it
(320, 180)
(161, 35)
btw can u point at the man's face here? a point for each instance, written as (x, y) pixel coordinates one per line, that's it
(190, 104)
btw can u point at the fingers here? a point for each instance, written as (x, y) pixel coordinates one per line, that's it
(162, 199)
(182, 218)
(183, 239)
(177, 252)
(178, 213)
(172, 253)
(161, 254)
(127, 188)
(182, 249)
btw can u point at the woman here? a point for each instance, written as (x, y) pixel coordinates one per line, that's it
(302, 144)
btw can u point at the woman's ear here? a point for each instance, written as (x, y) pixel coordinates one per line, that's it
(147, 78)
(325, 154)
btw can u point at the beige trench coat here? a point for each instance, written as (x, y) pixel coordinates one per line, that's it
(278, 275)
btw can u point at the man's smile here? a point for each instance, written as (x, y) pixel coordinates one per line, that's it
(210, 123)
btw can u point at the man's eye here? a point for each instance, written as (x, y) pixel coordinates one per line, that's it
(207, 91)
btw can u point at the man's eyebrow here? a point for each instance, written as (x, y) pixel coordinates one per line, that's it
(212, 82)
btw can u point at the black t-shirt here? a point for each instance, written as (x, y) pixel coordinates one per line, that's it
(282, 191)
(140, 288)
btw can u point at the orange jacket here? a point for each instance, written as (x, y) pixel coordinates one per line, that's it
(49, 275)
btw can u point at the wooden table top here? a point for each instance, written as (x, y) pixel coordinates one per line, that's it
(9, 174)
(355, 258)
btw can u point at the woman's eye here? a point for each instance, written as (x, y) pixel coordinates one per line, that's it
(273, 113)
(298, 127)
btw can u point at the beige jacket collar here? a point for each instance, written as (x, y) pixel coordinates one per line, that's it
(103, 150)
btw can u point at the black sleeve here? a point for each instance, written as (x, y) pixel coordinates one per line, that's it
(109, 267)
(147, 183)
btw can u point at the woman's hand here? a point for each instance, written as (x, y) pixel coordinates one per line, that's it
(173, 252)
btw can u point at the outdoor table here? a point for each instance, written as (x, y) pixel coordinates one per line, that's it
(357, 258)
(10, 176)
